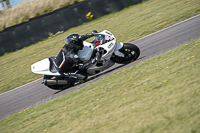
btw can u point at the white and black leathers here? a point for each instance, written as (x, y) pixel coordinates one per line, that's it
(67, 58)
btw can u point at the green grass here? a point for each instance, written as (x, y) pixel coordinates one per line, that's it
(160, 95)
(127, 25)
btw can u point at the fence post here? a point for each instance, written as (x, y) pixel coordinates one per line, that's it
(7, 4)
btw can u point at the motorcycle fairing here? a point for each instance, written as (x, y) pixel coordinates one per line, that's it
(43, 67)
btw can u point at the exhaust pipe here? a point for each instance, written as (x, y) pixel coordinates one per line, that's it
(54, 82)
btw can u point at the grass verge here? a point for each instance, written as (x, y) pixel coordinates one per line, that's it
(127, 25)
(158, 95)
(21, 13)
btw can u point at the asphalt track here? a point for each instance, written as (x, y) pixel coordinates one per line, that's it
(34, 93)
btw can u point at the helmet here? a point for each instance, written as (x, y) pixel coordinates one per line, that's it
(74, 41)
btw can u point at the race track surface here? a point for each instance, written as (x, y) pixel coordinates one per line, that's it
(35, 93)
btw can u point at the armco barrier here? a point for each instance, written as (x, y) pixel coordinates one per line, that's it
(27, 33)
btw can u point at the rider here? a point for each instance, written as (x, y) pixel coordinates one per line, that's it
(67, 59)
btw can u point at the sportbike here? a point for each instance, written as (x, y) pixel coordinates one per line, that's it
(105, 43)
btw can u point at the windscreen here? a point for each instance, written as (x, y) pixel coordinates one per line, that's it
(102, 39)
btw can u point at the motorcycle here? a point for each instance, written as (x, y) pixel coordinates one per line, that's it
(104, 43)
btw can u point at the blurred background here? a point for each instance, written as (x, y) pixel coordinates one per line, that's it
(11, 3)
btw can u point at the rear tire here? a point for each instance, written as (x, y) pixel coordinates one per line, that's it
(130, 51)
(59, 87)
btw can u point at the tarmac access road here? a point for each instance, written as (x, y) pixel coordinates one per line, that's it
(35, 93)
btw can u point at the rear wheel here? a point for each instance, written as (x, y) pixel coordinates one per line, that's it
(130, 51)
(70, 82)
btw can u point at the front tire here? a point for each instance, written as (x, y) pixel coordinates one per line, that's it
(131, 53)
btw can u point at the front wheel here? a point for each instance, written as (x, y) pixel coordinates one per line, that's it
(130, 51)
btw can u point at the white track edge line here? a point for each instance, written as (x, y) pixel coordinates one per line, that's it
(168, 27)
(21, 86)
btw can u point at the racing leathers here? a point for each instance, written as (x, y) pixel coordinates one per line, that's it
(67, 59)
